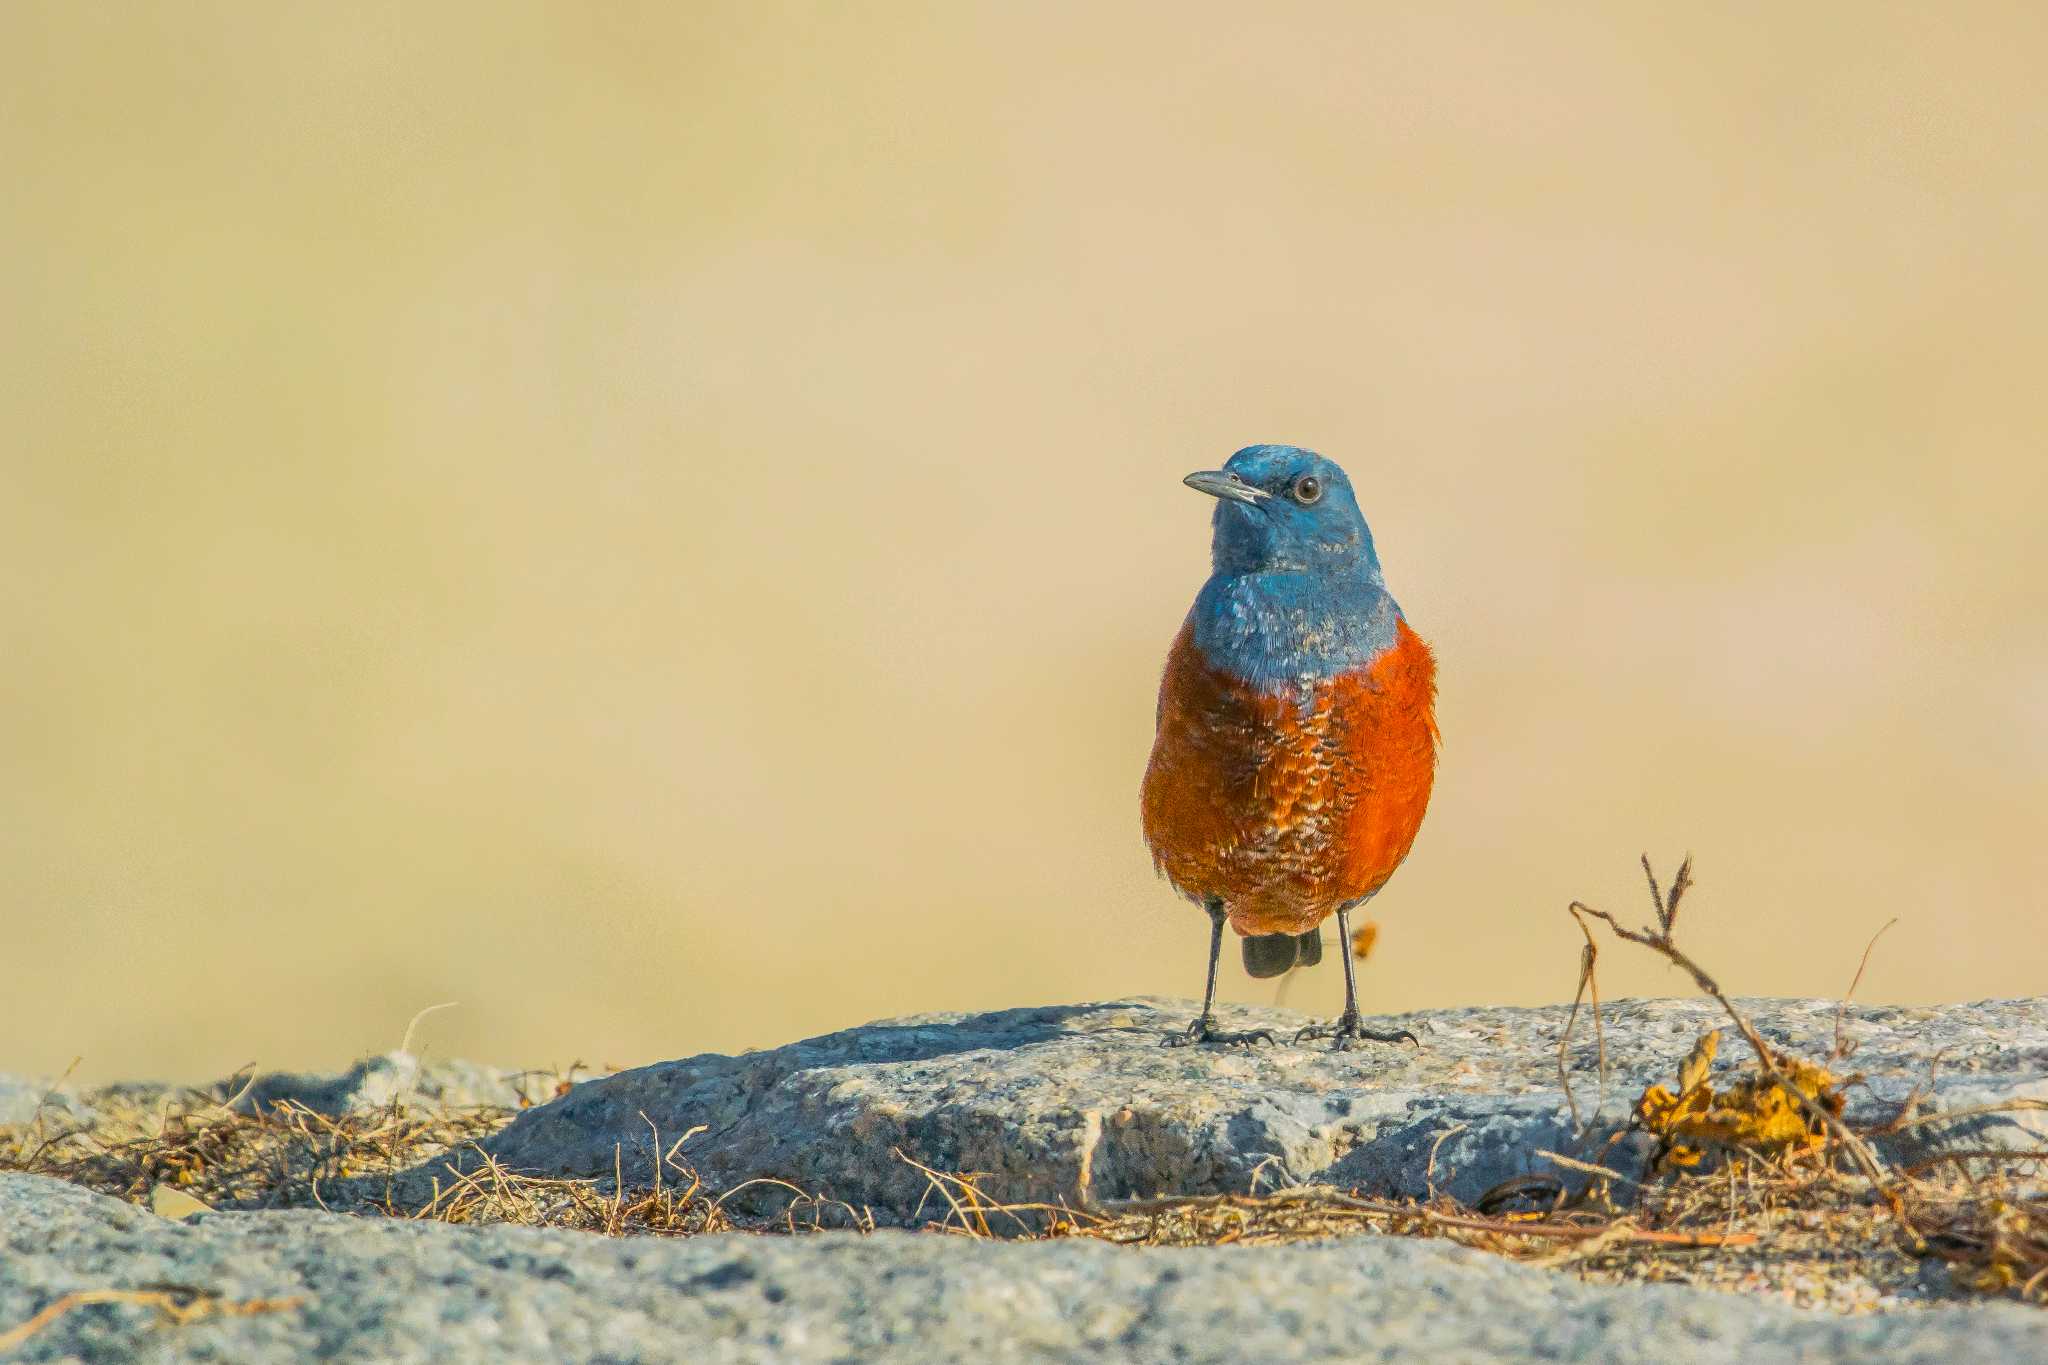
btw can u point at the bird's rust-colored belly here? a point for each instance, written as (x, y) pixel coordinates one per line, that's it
(1285, 808)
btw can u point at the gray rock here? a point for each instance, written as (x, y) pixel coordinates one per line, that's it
(397, 1077)
(388, 1290)
(24, 1099)
(1035, 1097)
(371, 1084)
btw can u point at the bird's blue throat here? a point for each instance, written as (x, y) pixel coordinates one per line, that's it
(1278, 630)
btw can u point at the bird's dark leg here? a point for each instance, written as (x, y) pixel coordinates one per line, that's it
(1348, 1028)
(1204, 1029)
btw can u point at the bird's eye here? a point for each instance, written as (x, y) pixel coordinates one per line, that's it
(1307, 489)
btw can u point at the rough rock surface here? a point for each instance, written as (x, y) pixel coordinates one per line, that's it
(1038, 1097)
(401, 1077)
(23, 1098)
(389, 1290)
(370, 1084)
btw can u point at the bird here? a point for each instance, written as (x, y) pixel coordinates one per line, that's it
(1296, 741)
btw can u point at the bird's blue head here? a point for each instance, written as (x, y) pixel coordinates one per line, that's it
(1287, 510)
(1296, 594)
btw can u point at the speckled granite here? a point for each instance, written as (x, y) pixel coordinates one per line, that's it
(1028, 1095)
(400, 1292)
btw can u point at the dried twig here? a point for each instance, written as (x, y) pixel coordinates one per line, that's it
(1326, 1201)
(179, 1303)
(971, 1206)
(1842, 1047)
(1660, 942)
(1429, 1173)
(2018, 1102)
(1589, 955)
(1586, 1167)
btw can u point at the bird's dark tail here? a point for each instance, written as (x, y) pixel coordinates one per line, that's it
(1271, 954)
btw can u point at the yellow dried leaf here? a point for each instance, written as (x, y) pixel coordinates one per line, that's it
(1692, 1072)
(1766, 1125)
(1362, 939)
(1682, 1155)
(1814, 1082)
(1656, 1109)
(1754, 1113)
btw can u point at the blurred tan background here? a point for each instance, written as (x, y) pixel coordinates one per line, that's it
(661, 523)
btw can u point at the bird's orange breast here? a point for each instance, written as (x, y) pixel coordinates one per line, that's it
(1289, 804)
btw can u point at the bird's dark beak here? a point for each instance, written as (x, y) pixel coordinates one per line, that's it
(1218, 484)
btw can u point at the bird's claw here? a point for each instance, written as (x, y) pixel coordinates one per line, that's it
(1204, 1032)
(1348, 1030)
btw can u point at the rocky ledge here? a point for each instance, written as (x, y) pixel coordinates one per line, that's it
(312, 1286)
(1081, 1103)
(1077, 1103)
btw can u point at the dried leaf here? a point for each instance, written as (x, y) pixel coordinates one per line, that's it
(1362, 939)
(1692, 1072)
(1756, 1112)
(1656, 1109)
(166, 1202)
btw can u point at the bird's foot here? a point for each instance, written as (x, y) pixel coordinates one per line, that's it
(1348, 1030)
(1204, 1033)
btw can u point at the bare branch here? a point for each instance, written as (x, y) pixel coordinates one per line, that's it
(1767, 1060)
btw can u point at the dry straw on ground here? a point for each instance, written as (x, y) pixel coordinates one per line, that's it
(1752, 1180)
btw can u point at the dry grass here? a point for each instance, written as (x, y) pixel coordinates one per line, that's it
(1796, 1228)
(1752, 1180)
(1781, 1126)
(195, 1144)
(200, 1147)
(179, 1304)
